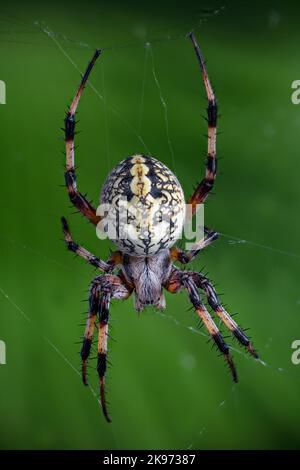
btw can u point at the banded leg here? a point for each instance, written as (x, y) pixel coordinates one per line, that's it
(187, 256)
(76, 198)
(103, 289)
(203, 283)
(89, 329)
(209, 324)
(102, 349)
(180, 279)
(85, 254)
(205, 186)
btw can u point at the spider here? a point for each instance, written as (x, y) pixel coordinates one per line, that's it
(144, 263)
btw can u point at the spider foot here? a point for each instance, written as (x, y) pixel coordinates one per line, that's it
(85, 352)
(103, 400)
(232, 368)
(252, 351)
(224, 349)
(244, 341)
(84, 373)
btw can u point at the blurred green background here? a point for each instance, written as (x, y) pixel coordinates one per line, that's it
(166, 388)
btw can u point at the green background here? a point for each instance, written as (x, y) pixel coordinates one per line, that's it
(167, 388)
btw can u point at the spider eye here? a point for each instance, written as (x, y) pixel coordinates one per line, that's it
(147, 208)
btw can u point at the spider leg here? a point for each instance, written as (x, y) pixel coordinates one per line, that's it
(102, 349)
(85, 254)
(210, 324)
(103, 289)
(206, 185)
(76, 198)
(187, 256)
(89, 330)
(179, 279)
(203, 283)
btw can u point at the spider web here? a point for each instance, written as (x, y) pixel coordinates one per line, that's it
(10, 29)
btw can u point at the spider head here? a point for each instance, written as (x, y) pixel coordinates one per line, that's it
(146, 207)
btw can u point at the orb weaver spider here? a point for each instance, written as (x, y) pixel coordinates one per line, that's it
(145, 265)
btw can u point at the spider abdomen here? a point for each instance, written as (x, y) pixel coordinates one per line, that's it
(146, 206)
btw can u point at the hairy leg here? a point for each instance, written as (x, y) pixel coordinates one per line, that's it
(103, 289)
(186, 256)
(205, 284)
(114, 260)
(207, 183)
(76, 198)
(180, 279)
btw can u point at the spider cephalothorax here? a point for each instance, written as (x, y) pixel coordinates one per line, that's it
(154, 218)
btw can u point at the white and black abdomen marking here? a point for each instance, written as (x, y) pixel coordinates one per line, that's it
(155, 206)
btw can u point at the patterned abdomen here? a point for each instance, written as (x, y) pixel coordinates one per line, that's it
(146, 206)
